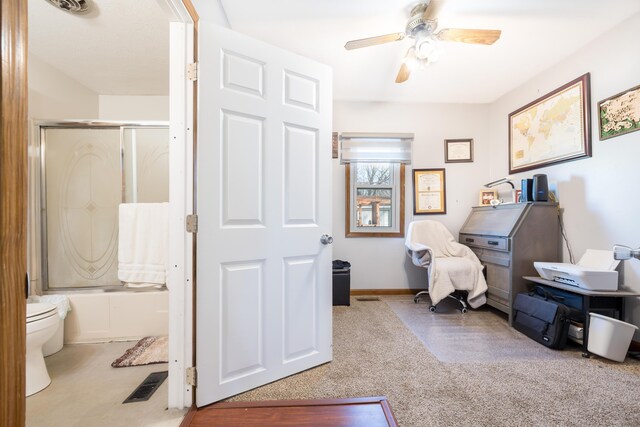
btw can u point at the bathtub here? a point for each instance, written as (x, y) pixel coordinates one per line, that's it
(116, 316)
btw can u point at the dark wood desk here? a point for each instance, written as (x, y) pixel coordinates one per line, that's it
(609, 303)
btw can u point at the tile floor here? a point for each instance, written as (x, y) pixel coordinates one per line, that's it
(86, 391)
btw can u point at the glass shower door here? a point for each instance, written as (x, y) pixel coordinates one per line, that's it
(145, 164)
(83, 187)
(86, 173)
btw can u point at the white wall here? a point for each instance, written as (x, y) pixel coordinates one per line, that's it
(211, 11)
(380, 263)
(54, 95)
(599, 195)
(134, 108)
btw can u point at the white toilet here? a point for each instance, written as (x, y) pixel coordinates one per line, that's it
(42, 323)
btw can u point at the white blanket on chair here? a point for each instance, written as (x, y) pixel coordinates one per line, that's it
(450, 265)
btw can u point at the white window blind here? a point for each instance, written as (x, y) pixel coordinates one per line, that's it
(375, 147)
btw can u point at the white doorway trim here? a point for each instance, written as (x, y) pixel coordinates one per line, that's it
(180, 275)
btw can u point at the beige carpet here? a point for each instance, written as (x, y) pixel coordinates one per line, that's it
(376, 354)
(147, 351)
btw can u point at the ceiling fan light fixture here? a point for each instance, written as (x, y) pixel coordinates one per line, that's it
(427, 48)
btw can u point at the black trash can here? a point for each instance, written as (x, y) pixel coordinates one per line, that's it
(341, 282)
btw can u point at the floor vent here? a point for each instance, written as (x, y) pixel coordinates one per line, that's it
(367, 299)
(145, 390)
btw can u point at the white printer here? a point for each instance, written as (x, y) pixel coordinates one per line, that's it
(596, 271)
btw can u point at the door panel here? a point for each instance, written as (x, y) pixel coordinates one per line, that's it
(242, 320)
(300, 91)
(300, 333)
(264, 199)
(242, 73)
(242, 169)
(300, 171)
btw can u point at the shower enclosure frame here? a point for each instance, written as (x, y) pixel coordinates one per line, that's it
(40, 202)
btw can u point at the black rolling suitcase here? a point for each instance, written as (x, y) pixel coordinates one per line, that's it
(542, 318)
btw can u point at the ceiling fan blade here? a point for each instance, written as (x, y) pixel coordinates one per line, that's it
(403, 73)
(468, 36)
(432, 9)
(372, 41)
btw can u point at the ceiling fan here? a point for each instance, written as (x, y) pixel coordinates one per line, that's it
(422, 27)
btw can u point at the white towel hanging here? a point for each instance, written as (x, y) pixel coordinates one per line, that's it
(143, 243)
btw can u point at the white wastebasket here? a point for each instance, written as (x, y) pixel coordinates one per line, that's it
(609, 337)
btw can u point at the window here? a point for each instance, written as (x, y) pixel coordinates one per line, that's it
(374, 200)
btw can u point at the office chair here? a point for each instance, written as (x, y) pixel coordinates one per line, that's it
(451, 266)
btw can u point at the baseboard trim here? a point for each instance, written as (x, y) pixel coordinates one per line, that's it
(635, 346)
(359, 292)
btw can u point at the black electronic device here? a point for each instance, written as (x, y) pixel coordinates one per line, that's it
(526, 190)
(540, 188)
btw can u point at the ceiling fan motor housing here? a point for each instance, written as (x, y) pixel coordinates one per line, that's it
(71, 6)
(418, 23)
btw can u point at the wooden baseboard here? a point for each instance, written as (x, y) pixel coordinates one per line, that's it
(635, 346)
(359, 292)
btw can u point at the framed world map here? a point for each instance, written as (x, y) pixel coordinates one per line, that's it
(552, 129)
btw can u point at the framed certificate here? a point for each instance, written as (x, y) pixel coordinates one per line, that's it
(458, 150)
(429, 192)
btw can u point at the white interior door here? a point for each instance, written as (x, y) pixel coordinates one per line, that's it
(263, 202)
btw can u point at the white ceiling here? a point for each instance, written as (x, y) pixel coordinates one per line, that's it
(122, 47)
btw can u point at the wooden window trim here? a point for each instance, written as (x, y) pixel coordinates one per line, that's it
(347, 208)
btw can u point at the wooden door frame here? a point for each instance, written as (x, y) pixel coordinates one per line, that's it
(13, 210)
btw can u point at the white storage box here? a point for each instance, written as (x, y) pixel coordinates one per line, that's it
(609, 337)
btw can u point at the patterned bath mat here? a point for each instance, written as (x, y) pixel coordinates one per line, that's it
(147, 351)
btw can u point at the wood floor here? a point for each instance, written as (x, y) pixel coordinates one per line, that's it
(355, 412)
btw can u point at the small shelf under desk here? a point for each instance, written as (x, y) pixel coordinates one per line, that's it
(609, 303)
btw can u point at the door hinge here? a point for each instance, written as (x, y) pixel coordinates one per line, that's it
(192, 71)
(192, 223)
(192, 376)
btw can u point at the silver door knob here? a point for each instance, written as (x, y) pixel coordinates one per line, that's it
(325, 239)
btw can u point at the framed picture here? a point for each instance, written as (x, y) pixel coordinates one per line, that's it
(552, 129)
(458, 150)
(429, 192)
(620, 113)
(334, 145)
(486, 196)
